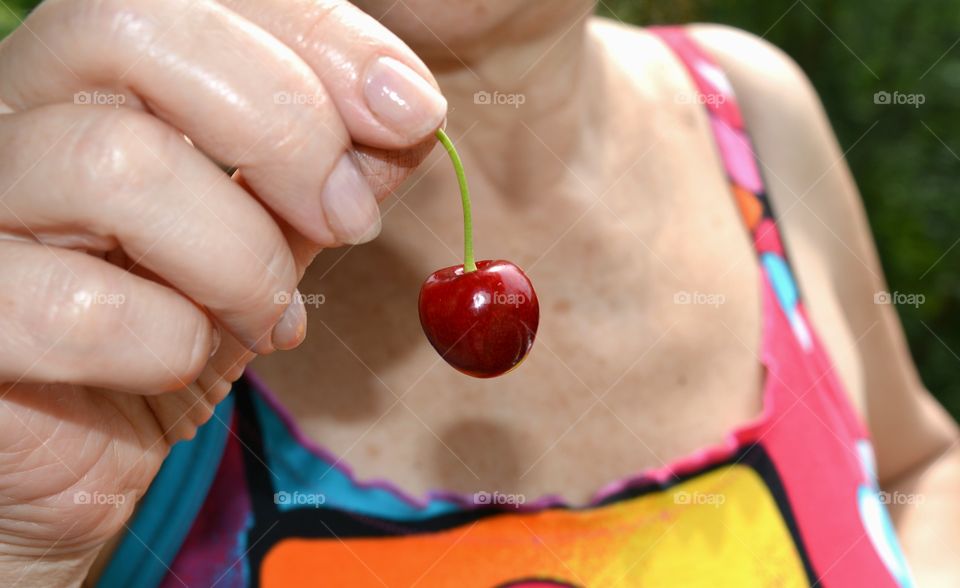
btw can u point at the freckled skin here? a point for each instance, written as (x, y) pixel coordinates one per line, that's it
(484, 322)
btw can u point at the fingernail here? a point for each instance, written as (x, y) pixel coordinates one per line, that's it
(290, 330)
(349, 204)
(402, 100)
(215, 337)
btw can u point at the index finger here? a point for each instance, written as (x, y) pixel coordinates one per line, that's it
(242, 97)
(384, 92)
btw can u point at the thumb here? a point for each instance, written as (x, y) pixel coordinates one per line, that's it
(384, 170)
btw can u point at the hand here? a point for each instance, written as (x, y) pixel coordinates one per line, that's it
(137, 278)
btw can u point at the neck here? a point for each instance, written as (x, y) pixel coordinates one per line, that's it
(521, 102)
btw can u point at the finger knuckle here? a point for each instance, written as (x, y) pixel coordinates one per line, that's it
(300, 135)
(119, 22)
(188, 354)
(61, 301)
(266, 297)
(79, 308)
(120, 152)
(315, 22)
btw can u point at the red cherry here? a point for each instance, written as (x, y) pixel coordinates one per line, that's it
(481, 322)
(481, 317)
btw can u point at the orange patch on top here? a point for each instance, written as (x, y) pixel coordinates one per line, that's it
(707, 529)
(750, 208)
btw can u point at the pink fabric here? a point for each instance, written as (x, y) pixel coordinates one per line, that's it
(737, 154)
(809, 427)
(766, 238)
(708, 78)
(811, 435)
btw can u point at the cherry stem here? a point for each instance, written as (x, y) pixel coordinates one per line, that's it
(469, 265)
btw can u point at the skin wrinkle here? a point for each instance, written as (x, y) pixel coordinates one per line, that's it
(386, 170)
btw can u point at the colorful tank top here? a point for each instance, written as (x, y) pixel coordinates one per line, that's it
(790, 499)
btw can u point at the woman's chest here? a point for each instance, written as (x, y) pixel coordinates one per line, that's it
(648, 347)
(650, 337)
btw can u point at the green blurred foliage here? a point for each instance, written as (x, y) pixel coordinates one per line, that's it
(906, 166)
(12, 13)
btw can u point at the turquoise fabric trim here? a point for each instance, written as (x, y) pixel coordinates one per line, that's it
(782, 280)
(302, 478)
(167, 511)
(876, 520)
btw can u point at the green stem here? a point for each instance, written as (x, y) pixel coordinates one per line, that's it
(469, 265)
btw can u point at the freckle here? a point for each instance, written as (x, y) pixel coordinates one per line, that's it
(373, 451)
(562, 306)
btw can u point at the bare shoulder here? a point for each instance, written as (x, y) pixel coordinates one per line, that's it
(616, 33)
(758, 65)
(804, 167)
(823, 222)
(755, 65)
(801, 160)
(825, 226)
(636, 53)
(811, 190)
